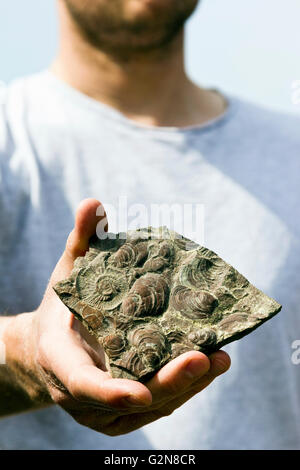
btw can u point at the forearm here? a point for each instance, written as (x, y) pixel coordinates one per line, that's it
(21, 388)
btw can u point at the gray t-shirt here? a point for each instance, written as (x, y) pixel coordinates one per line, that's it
(58, 146)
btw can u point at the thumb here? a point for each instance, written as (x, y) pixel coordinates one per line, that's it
(86, 221)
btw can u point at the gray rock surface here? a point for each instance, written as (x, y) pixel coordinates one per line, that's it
(154, 295)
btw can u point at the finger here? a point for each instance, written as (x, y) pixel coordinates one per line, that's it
(168, 408)
(115, 425)
(90, 384)
(178, 375)
(86, 221)
(133, 421)
(220, 362)
(85, 382)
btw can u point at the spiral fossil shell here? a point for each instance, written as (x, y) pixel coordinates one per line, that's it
(101, 289)
(155, 295)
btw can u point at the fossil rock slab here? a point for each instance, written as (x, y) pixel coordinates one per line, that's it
(154, 295)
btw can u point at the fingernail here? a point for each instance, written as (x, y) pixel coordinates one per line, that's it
(193, 369)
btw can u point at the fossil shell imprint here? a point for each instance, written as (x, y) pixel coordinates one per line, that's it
(161, 260)
(114, 344)
(193, 304)
(204, 337)
(101, 289)
(150, 343)
(155, 295)
(132, 362)
(131, 255)
(148, 296)
(202, 273)
(176, 336)
(230, 322)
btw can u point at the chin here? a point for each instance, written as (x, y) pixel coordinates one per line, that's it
(119, 26)
(143, 9)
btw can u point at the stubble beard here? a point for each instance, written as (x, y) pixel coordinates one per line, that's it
(106, 28)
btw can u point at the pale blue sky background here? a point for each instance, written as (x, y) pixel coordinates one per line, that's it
(247, 47)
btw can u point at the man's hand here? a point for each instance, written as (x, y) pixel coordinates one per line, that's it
(63, 364)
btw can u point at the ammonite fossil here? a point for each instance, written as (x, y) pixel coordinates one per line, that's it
(153, 295)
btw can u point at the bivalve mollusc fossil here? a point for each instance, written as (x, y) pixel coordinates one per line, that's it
(131, 255)
(114, 345)
(148, 296)
(193, 304)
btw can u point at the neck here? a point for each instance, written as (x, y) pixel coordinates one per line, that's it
(150, 88)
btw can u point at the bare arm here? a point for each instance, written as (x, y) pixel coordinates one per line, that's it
(20, 388)
(52, 359)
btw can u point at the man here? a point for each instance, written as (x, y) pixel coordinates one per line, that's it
(115, 116)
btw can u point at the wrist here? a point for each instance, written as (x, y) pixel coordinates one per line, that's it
(19, 338)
